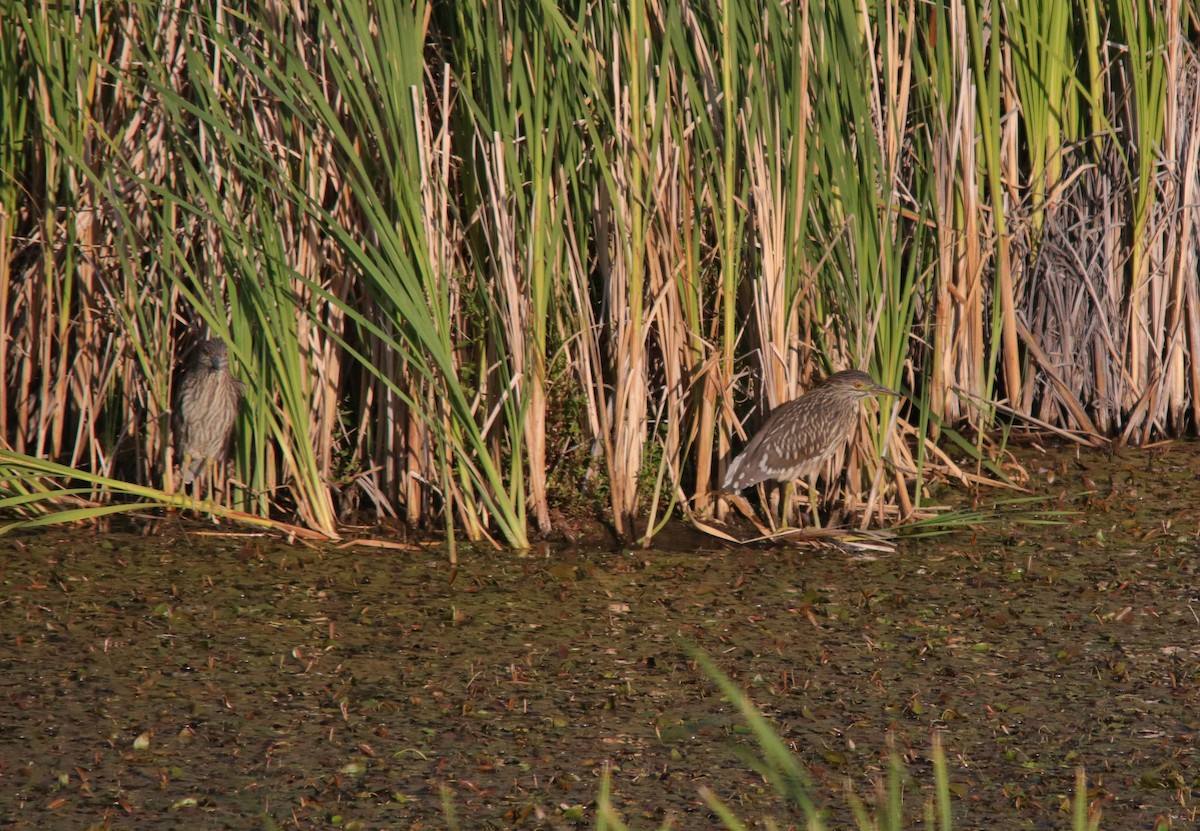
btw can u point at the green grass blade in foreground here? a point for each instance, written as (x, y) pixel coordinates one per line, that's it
(37, 496)
(861, 818)
(996, 512)
(25, 484)
(941, 778)
(781, 767)
(607, 818)
(1079, 807)
(788, 778)
(893, 807)
(890, 797)
(724, 813)
(448, 809)
(69, 515)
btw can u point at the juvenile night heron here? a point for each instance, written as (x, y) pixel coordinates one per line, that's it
(206, 409)
(799, 436)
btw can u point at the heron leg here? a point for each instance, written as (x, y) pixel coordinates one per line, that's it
(814, 505)
(185, 473)
(769, 498)
(195, 472)
(210, 479)
(787, 506)
(787, 498)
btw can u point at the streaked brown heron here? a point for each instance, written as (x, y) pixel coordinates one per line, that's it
(800, 435)
(206, 410)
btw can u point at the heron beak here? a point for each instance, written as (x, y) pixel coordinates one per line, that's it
(879, 389)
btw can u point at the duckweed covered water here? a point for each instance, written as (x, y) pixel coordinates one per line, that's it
(200, 681)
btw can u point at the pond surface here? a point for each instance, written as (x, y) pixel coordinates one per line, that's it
(198, 681)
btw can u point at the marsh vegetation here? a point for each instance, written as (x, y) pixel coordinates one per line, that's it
(483, 265)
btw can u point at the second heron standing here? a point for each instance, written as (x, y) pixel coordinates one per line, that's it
(206, 410)
(800, 435)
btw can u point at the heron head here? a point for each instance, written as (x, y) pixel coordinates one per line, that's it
(214, 355)
(856, 383)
